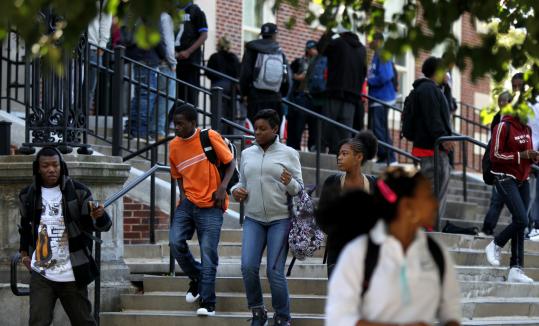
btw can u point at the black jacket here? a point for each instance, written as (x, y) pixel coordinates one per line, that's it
(247, 71)
(333, 225)
(224, 62)
(347, 67)
(79, 224)
(431, 114)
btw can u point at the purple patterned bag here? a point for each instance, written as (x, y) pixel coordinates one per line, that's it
(305, 236)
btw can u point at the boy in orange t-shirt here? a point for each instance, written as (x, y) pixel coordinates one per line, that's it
(203, 201)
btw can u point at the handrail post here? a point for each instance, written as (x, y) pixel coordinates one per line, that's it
(437, 181)
(216, 108)
(153, 157)
(318, 149)
(97, 283)
(242, 204)
(172, 263)
(464, 177)
(118, 100)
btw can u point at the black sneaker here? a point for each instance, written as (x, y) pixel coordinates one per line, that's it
(206, 310)
(192, 294)
(281, 320)
(260, 317)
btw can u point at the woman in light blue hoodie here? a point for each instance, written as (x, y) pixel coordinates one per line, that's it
(269, 173)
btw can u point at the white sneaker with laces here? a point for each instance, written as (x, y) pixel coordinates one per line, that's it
(516, 275)
(206, 311)
(493, 253)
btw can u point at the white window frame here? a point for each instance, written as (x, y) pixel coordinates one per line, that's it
(267, 14)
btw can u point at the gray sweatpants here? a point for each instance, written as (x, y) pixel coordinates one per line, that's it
(444, 172)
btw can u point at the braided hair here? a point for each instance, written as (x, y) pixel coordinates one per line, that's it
(363, 143)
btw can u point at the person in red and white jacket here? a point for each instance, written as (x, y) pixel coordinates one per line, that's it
(512, 154)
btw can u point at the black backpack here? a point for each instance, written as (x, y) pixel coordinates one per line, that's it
(373, 253)
(486, 164)
(207, 147)
(408, 123)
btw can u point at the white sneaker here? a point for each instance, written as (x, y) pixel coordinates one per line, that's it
(206, 311)
(535, 238)
(516, 275)
(533, 233)
(493, 253)
(483, 235)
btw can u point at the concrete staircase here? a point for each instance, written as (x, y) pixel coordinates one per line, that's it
(487, 299)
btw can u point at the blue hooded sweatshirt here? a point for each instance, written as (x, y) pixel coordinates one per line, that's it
(380, 79)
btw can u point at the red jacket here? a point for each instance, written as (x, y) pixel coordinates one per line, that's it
(509, 138)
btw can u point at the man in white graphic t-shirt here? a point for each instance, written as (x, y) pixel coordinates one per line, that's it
(57, 219)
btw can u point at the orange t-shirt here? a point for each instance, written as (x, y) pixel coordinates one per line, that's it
(189, 163)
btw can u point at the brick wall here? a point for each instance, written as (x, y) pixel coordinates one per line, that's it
(229, 22)
(137, 222)
(293, 40)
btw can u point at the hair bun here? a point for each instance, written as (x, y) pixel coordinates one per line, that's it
(370, 143)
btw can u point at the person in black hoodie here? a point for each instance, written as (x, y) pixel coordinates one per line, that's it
(252, 75)
(432, 121)
(226, 63)
(57, 218)
(347, 68)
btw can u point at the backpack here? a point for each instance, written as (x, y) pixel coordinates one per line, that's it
(269, 71)
(317, 78)
(408, 124)
(212, 157)
(455, 229)
(373, 253)
(305, 237)
(486, 163)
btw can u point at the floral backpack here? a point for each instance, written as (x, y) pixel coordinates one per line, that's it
(305, 237)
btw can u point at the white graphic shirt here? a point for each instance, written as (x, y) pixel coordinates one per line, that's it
(51, 255)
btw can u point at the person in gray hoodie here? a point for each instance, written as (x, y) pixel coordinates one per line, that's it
(270, 172)
(260, 97)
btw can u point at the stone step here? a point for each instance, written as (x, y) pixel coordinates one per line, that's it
(490, 273)
(478, 289)
(308, 286)
(471, 257)
(506, 321)
(226, 302)
(226, 249)
(189, 318)
(227, 235)
(310, 268)
(500, 307)
(477, 223)
(459, 210)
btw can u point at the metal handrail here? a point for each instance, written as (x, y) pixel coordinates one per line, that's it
(15, 259)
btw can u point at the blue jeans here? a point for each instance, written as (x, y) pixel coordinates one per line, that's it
(92, 76)
(378, 114)
(142, 104)
(207, 222)
(516, 196)
(164, 103)
(534, 202)
(256, 236)
(494, 211)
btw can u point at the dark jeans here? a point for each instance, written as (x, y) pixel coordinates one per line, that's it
(190, 74)
(494, 211)
(378, 116)
(516, 196)
(43, 296)
(343, 112)
(143, 104)
(256, 236)
(207, 222)
(297, 119)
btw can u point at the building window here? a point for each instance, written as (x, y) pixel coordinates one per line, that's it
(255, 14)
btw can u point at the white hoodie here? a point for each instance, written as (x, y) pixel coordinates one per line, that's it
(99, 28)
